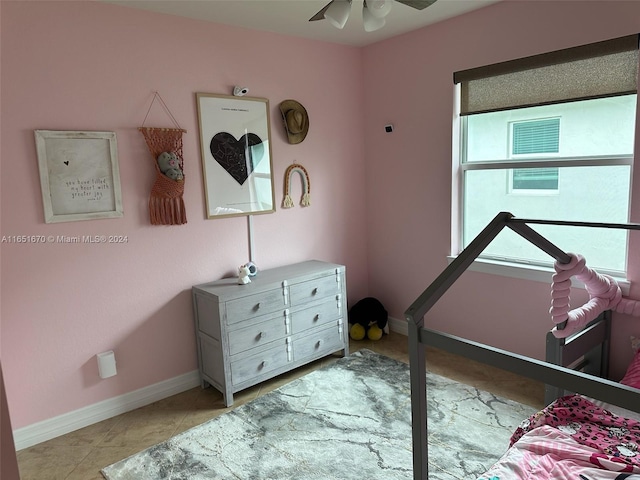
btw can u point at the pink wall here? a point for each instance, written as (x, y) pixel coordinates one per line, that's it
(381, 203)
(92, 66)
(409, 172)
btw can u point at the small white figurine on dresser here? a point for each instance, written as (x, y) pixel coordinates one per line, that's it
(243, 275)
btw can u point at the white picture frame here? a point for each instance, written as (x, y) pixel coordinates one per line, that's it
(79, 175)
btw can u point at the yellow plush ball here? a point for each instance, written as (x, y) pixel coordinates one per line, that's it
(357, 332)
(374, 333)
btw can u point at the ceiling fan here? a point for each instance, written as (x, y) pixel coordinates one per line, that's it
(373, 12)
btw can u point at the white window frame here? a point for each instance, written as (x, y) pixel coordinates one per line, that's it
(460, 166)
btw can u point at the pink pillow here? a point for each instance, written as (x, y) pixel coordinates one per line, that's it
(632, 377)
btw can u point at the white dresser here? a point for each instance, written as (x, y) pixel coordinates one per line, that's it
(284, 318)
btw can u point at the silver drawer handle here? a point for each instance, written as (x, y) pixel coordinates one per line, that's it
(261, 335)
(256, 307)
(315, 291)
(262, 365)
(317, 317)
(318, 343)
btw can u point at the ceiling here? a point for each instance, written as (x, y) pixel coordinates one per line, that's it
(290, 17)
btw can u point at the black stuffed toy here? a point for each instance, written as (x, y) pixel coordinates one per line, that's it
(367, 318)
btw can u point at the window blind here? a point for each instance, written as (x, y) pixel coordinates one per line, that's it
(538, 136)
(535, 178)
(597, 70)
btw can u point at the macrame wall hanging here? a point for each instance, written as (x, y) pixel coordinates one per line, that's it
(306, 186)
(166, 206)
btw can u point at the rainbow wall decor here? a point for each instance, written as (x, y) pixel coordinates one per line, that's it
(306, 186)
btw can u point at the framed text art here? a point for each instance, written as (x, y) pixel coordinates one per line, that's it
(235, 138)
(79, 175)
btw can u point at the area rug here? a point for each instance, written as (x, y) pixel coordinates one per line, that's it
(348, 420)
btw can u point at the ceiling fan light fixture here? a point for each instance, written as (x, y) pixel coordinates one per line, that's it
(370, 22)
(378, 8)
(338, 13)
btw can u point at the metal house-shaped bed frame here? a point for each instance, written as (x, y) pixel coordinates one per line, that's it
(554, 375)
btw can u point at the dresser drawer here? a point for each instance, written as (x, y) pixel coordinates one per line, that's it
(316, 315)
(244, 308)
(314, 289)
(320, 342)
(269, 330)
(255, 365)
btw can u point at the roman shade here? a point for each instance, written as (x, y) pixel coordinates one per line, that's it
(603, 69)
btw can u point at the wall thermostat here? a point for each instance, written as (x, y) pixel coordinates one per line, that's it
(388, 128)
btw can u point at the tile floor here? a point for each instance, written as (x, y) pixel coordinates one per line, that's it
(81, 454)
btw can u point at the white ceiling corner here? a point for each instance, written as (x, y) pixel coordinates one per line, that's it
(291, 17)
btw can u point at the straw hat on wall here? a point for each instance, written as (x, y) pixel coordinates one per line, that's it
(296, 120)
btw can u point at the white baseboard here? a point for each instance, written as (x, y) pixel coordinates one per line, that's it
(398, 326)
(54, 427)
(68, 422)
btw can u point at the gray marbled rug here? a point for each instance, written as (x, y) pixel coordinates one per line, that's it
(349, 420)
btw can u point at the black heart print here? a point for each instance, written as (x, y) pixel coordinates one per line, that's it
(237, 157)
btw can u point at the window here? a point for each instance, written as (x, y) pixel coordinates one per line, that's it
(535, 137)
(526, 180)
(550, 137)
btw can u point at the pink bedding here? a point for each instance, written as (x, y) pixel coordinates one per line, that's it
(575, 439)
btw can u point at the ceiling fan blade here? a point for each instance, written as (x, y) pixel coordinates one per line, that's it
(417, 4)
(320, 14)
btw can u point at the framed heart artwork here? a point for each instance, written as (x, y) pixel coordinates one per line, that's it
(235, 138)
